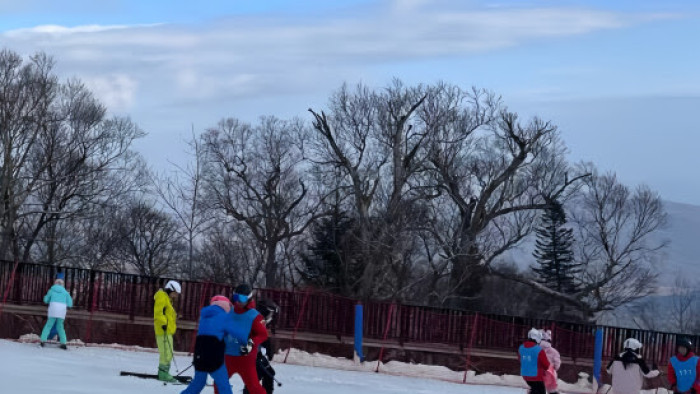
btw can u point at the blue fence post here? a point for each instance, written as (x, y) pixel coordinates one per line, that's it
(358, 332)
(598, 355)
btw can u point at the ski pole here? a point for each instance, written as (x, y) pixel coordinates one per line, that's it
(184, 370)
(279, 384)
(171, 347)
(172, 352)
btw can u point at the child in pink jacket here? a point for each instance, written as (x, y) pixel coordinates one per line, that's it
(550, 377)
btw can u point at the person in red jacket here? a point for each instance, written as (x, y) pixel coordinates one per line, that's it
(242, 346)
(533, 362)
(684, 368)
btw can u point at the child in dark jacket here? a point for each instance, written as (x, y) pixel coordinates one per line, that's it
(209, 348)
(268, 310)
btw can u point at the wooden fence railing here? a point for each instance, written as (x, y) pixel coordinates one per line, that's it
(326, 313)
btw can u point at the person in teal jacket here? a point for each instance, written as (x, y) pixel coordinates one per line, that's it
(59, 301)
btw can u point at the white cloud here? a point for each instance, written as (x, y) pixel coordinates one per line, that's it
(63, 30)
(169, 77)
(116, 91)
(257, 56)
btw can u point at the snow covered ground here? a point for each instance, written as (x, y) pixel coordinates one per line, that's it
(28, 369)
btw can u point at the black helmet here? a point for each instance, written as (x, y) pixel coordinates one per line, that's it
(268, 309)
(243, 289)
(242, 293)
(685, 342)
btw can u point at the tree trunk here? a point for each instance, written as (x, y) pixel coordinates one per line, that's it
(270, 264)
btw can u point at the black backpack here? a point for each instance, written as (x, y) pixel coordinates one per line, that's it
(208, 353)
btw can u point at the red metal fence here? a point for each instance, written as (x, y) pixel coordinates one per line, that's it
(324, 313)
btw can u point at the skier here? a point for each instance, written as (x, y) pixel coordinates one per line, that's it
(268, 309)
(550, 376)
(628, 369)
(242, 348)
(164, 322)
(684, 368)
(209, 347)
(59, 301)
(533, 362)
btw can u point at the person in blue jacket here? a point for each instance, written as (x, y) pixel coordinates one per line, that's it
(242, 346)
(209, 347)
(59, 301)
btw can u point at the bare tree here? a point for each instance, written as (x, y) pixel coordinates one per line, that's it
(58, 152)
(149, 241)
(254, 175)
(615, 244)
(94, 239)
(182, 193)
(496, 174)
(684, 304)
(375, 141)
(27, 94)
(230, 253)
(85, 161)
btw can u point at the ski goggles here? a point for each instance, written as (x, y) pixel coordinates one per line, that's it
(241, 298)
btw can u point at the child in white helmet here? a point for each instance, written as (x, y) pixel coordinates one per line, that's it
(533, 362)
(628, 369)
(550, 377)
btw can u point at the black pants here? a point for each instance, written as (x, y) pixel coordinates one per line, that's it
(537, 387)
(265, 374)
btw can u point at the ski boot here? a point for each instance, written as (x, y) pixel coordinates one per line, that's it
(164, 374)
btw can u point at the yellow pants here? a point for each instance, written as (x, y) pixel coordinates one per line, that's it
(165, 348)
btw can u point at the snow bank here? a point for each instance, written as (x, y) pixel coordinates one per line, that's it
(397, 368)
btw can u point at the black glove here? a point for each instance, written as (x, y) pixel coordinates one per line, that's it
(247, 348)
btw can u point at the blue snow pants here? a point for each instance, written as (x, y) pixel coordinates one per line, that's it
(200, 380)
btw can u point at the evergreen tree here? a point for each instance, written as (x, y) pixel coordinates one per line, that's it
(556, 267)
(330, 262)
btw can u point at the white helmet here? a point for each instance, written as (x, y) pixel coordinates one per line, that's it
(535, 335)
(173, 286)
(547, 335)
(632, 343)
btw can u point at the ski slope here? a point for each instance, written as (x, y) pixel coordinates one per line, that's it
(29, 369)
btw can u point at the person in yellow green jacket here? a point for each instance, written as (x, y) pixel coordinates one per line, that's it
(165, 324)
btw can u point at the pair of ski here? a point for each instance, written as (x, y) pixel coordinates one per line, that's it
(179, 379)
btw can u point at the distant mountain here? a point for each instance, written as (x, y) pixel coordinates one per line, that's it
(682, 256)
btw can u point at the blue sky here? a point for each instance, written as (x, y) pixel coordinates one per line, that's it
(620, 78)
